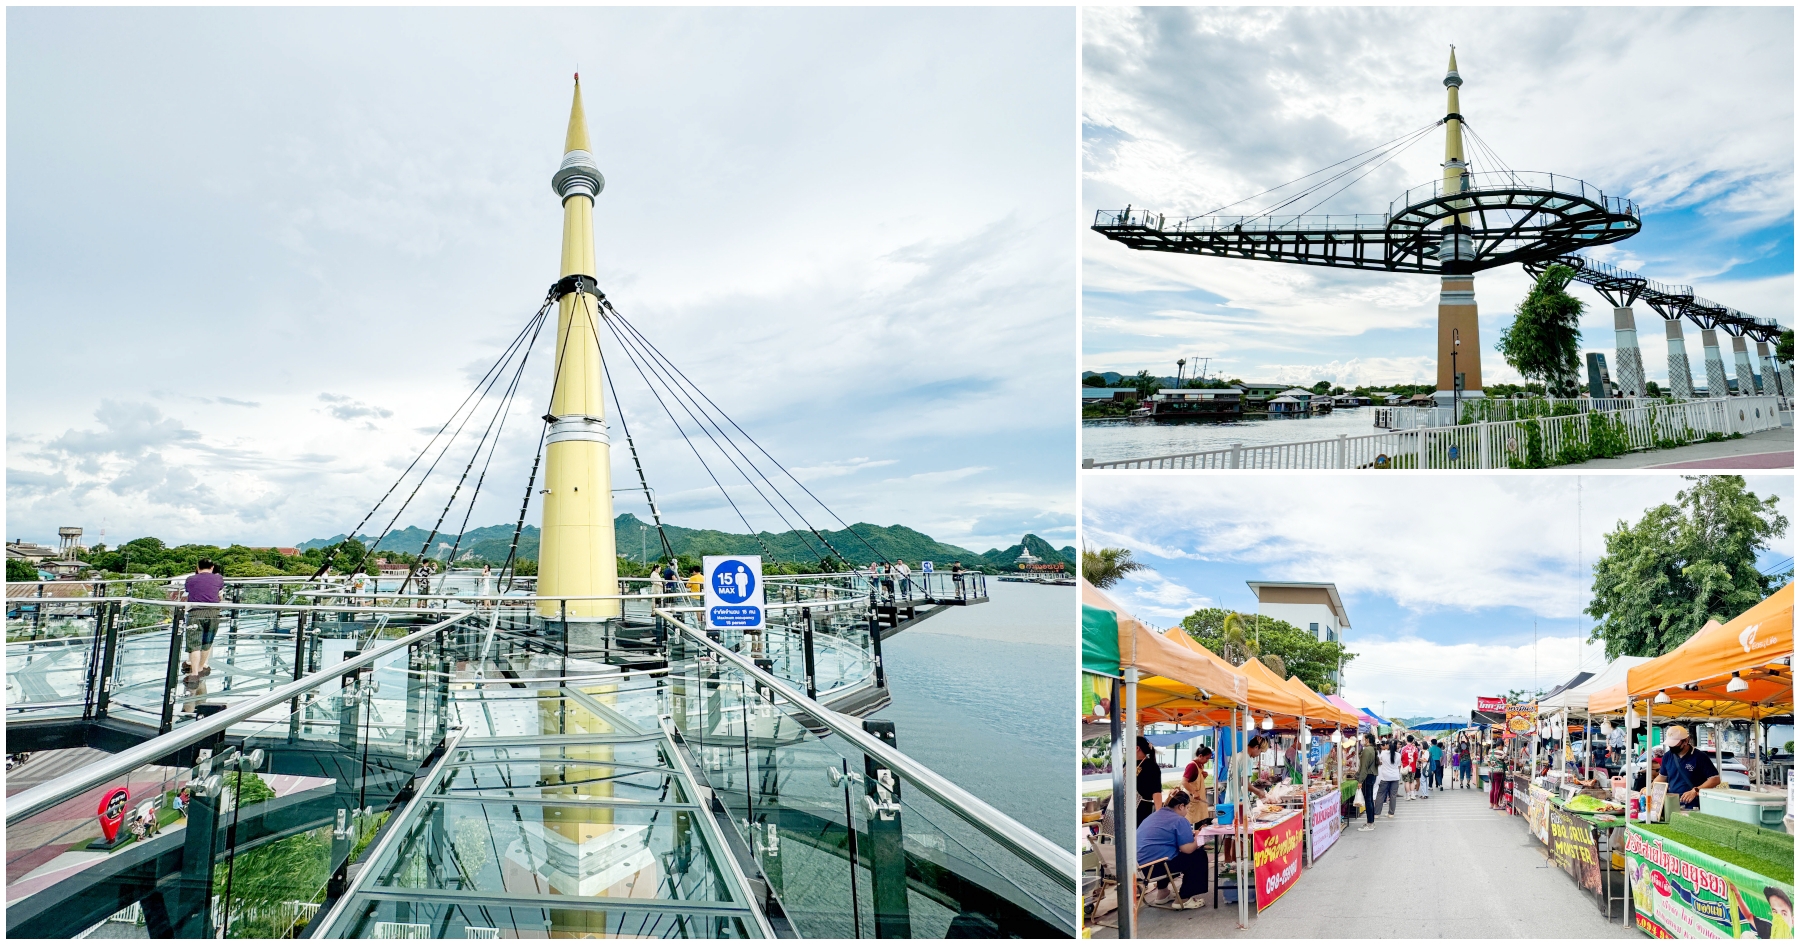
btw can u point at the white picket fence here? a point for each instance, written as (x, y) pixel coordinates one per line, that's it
(1494, 445)
(1496, 409)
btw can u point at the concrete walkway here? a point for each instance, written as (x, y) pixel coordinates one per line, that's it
(1770, 449)
(1443, 868)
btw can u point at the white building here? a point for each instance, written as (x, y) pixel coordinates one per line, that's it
(1315, 608)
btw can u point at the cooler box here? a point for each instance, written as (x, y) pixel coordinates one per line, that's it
(1757, 808)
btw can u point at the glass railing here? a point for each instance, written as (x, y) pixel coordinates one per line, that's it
(236, 825)
(496, 774)
(852, 838)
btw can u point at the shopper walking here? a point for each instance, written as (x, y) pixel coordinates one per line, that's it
(1367, 770)
(1496, 765)
(1409, 759)
(1437, 764)
(1467, 764)
(1423, 761)
(1387, 774)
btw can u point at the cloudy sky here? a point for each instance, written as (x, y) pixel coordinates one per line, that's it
(1443, 576)
(255, 256)
(1688, 111)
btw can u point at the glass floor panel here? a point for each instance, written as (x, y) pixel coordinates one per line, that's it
(571, 850)
(382, 917)
(583, 772)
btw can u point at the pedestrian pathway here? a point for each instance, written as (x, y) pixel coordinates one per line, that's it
(1446, 867)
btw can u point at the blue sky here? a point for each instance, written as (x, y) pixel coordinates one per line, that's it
(1688, 111)
(1442, 575)
(253, 253)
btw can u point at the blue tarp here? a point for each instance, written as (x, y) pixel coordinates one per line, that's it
(1378, 719)
(1166, 739)
(1449, 723)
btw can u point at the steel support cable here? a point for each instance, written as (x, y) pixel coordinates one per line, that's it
(492, 378)
(505, 409)
(686, 397)
(759, 448)
(1319, 171)
(1372, 169)
(691, 446)
(709, 409)
(1488, 149)
(332, 554)
(662, 535)
(1390, 148)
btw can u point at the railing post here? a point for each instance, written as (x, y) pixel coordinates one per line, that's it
(1419, 447)
(193, 910)
(875, 647)
(887, 854)
(806, 643)
(106, 640)
(1483, 451)
(1236, 460)
(1343, 451)
(169, 681)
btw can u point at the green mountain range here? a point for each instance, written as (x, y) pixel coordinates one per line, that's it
(637, 539)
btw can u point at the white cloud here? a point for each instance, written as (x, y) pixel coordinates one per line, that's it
(1413, 677)
(857, 267)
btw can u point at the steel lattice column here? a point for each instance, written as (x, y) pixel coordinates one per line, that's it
(1681, 380)
(1629, 359)
(1746, 374)
(1772, 379)
(1716, 384)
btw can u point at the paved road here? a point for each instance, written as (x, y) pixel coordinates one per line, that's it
(1444, 868)
(1770, 449)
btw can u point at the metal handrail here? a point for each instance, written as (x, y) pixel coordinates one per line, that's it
(1055, 863)
(45, 796)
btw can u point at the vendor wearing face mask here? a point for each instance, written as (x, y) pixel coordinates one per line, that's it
(1687, 771)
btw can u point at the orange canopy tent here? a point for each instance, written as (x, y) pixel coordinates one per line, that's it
(1175, 683)
(1264, 691)
(1696, 674)
(1318, 708)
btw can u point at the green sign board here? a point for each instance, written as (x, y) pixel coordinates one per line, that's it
(1679, 892)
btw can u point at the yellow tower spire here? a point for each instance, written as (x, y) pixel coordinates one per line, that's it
(576, 556)
(1459, 329)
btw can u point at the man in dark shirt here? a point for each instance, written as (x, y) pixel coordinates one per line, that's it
(1687, 771)
(202, 587)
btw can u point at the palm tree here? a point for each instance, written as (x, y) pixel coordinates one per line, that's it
(1108, 566)
(1239, 644)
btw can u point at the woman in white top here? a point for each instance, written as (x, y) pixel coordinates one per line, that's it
(1387, 777)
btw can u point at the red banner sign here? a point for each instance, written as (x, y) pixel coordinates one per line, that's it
(112, 812)
(1490, 704)
(1277, 857)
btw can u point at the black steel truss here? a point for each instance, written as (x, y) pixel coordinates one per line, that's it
(1506, 218)
(1623, 288)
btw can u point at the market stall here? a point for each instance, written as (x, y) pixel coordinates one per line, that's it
(1131, 675)
(1722, 870)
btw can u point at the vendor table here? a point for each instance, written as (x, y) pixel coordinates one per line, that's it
(1294, 820)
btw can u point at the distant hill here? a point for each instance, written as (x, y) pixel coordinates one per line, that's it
(635, 537)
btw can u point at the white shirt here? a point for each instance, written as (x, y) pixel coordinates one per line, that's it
(901, 569)
(1387, 765)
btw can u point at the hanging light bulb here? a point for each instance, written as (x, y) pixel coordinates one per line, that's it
(1662, 698)
(1249, 722)
(1268, 722)
(1337, 737)
(1737, 684)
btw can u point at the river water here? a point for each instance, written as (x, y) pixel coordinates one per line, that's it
(985, 695)
(1138, 439)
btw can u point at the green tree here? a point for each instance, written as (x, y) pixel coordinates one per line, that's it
(1544, 339)
(18, 569)
(1144, 383)
(1094, 380)
(1286, 649)
(1784, 347)
(1683, 564)
(1651, 390)
(1108, 566)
